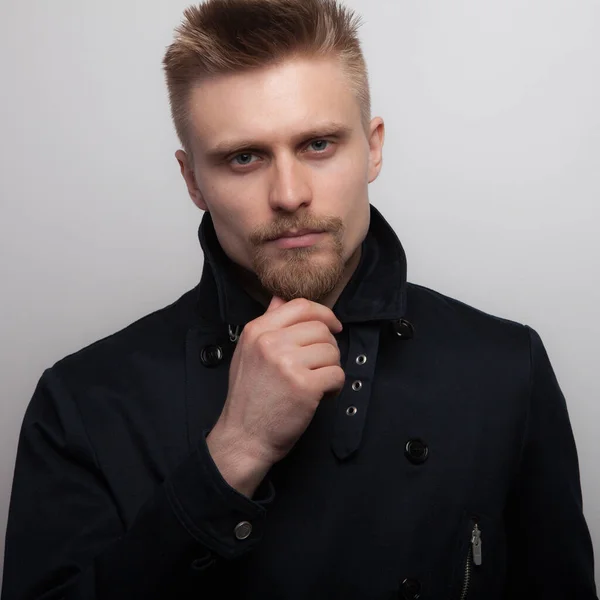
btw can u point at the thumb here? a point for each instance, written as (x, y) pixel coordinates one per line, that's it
(276, 302)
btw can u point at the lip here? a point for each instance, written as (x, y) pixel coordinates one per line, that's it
(299, 239)
(298, 233)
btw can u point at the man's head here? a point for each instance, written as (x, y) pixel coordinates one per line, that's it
(270, 99)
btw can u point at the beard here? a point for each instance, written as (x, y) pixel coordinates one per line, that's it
(309, 272)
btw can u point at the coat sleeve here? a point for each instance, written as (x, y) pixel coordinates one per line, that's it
(65, 538)
(550, 555)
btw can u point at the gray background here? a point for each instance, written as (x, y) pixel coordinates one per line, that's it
(491, 178)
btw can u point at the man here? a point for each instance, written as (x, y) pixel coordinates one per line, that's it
(304, 423)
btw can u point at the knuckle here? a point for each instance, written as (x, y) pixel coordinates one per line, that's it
(287, 365)
(321, 329)
(332, 350)
(338, 354)
(303, 304)
(298, 383)
(250, 331)
(264, 343)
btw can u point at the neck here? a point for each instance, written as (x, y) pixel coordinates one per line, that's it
(249, 281)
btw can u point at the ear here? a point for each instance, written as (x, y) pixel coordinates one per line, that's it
(186, 165)
(376, 138)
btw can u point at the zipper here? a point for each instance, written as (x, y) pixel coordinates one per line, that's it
(474, 558)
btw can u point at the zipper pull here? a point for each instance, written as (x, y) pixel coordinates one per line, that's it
(476, 545)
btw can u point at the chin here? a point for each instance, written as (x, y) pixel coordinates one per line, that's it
(302, 280)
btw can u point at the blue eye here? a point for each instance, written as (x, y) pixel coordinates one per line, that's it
(321, 143)
(245, 159)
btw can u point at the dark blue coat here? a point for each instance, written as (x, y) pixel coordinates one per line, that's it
(445, 469)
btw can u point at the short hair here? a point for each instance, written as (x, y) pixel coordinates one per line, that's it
(226, 36)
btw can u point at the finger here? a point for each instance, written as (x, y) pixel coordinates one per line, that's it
(329, 379)
(317, 356)
(276, 302)
(310, 332)
(297, 311)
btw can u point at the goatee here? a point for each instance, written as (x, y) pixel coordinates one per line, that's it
(309, 272)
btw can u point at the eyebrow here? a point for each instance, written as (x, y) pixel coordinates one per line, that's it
(227, 148)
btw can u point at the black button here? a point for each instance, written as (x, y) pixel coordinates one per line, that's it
(202, 564)
(416, 451)
(410, 589)
(404, 329)
(211, 356)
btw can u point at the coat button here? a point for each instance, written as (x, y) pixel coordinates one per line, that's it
(404, 329)
(200, 565)
(211, 356)
(416, 451)
(243, 530)
(410, 589)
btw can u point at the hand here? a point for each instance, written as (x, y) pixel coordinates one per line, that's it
(284, 363)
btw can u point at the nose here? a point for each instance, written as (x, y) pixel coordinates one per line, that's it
(290, 187)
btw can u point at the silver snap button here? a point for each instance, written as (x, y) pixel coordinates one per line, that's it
(351, 411)
(243, 530)
(361, 359)
(357, 385)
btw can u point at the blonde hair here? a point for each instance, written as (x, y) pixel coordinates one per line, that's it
(225, 36)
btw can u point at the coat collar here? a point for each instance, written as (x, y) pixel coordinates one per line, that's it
(376, 291)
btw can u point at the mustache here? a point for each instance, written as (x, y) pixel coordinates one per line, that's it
(268, 232)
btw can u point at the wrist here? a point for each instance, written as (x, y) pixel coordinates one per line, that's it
(242, 469)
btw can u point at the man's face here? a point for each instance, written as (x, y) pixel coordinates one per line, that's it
(278, 149)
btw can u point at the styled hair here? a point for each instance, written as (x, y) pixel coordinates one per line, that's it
(226, 36)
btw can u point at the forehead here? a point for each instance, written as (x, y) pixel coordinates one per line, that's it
(272, 103)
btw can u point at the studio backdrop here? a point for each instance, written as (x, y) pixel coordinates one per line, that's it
(491, 179)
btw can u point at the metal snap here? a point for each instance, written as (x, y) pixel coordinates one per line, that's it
(351, 411)
(357, 385)
(243, 530)
(361, 359)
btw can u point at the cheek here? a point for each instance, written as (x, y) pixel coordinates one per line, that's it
(348, 172)
(229, 208)
(220, 187)
(343, 188)
(232, 200)
(233, 238)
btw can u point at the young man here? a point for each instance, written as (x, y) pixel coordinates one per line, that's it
(304, 423)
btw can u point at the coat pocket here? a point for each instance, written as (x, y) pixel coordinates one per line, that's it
(473, 555)
(480, 567)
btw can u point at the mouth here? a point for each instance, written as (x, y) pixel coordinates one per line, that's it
(298, 239)
(296, 233)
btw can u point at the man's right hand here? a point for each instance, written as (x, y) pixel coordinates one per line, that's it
(285, 361)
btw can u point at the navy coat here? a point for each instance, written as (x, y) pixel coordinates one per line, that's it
(445, 469)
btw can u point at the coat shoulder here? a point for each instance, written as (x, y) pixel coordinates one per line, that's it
(156, 335)
(463, 320)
